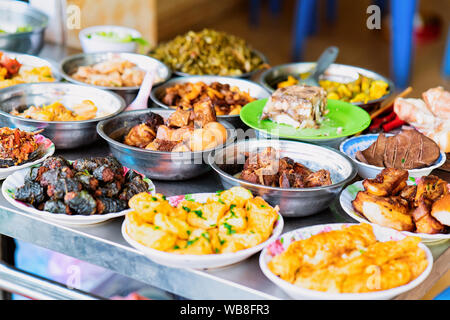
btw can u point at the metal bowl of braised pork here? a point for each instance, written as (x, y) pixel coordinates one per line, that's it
(23, 27)
(301, 178)
(70, 65)
(64, 134)
(155, 164)
(336, 74)
(164, 97)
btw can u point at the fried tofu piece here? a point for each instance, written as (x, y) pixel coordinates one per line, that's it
(242, 240)
(388, 182)
(235, 195)
(147, 205)
(235, 219)
(391, 212)
(261, 216)
(199, 243)
(207, 215)
(148, 234)
(172, 224)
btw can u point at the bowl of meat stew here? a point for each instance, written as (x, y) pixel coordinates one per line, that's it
(301, 178)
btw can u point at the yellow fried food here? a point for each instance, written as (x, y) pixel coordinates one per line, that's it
(342, 265)
(148, 234)
(229, 221)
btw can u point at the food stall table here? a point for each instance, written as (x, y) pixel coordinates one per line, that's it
(102, 244)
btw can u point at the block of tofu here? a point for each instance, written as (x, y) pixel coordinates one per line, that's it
(300, 106)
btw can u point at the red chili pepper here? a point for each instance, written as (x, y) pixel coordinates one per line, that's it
(397, 122)
(391, 116)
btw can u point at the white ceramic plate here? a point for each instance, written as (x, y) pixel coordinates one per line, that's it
(17, 179)
(349, 194)
(381, 233)
(206, 261)
(367, 171)
(49, 149)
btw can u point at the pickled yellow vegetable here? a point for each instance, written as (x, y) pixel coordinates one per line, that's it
(363, 89)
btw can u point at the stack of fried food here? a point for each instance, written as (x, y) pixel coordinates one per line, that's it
(194, 129)
(16, 147)
(226, 99)
(229, 221)
(268, 169)
(350, 260)
(388, 201)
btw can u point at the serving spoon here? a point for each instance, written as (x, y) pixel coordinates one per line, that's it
(325, 60)
(141, 100)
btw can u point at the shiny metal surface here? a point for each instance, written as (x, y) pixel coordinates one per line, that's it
(292, 202)
(155, 164)
(104, 246)
(37, 288)
(64, 134)
(70, 64)
(14, 14)
(246, 75)
(254, 89)
(336, 72)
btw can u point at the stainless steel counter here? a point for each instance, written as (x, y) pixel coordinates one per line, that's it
(103, 244)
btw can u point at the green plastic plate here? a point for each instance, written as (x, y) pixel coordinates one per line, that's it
(343, 119)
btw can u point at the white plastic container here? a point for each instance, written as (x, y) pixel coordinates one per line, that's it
(97, 43)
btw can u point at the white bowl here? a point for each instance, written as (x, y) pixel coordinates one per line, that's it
(102, 44)
(17, 179)
(349, 194)
(352, 145)
(206, 261)
(381, 233)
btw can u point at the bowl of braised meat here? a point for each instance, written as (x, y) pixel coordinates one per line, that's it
(227, 95)
(408, 150)
(301, 178)
(80, 192)
(166, 144)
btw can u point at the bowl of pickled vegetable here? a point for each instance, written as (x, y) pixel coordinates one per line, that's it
(355, 85)
(210, 52)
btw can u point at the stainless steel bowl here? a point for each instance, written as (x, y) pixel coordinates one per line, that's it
(159, 165)
(254, 89)
(14, 14)
(64, 134)
(246, 75)
(70, 64)
(29, 61)
(337, 72)
(292, 202)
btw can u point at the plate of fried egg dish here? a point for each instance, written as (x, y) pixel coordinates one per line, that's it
(346, 262)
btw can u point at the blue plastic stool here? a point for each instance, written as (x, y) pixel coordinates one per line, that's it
(402, 40)
(446, 63)
(444, 295)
